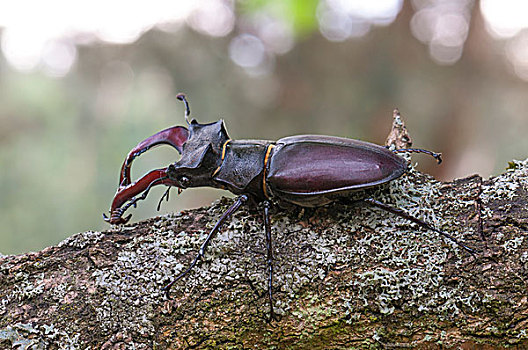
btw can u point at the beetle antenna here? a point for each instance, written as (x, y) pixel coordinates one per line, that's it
(437, 156)
(182, 97)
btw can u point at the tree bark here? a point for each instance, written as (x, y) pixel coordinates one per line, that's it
(345, 276)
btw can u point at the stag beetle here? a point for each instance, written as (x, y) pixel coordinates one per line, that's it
(305, 170)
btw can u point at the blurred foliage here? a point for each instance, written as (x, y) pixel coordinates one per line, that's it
(299, 13)
(62, 141)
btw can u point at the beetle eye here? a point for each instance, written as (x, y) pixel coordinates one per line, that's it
(184, 181)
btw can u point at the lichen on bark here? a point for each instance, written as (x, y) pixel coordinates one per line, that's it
(346, 276)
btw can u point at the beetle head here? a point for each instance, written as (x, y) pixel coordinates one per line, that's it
(201, 148)
(201, 155)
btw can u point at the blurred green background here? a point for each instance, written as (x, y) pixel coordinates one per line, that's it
(81, 83)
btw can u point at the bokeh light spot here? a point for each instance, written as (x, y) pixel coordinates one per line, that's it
(247, 51)
(517, 52)
(213, 17)
(21, 48)
(443, 26)
(340, 20)
(506, 18)
(58, 57)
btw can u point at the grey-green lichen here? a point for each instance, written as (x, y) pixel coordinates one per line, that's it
(395, 266)
(26, 336)
(82, 240)
(407, 264)
(504, 187)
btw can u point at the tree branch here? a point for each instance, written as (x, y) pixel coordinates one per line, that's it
(344, 276)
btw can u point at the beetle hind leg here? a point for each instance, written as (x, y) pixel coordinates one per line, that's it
(437, 156)
(403, 214)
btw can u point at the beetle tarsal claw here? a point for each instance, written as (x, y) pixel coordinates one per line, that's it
(273, 317)
(126, 219)
(438, 157)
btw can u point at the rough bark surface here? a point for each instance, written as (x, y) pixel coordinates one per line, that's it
(346, 276)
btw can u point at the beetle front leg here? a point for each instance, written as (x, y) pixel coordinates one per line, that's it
(269, 260)
(403, 214)
(232, 209)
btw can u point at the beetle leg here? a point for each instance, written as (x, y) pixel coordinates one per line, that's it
(232, 209)
(127, 196)
(269, 261)
(175, 137)
(165, 195)
(437, 156)
(403, 214)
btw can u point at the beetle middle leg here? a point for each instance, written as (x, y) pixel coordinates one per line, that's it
(232, 209)
(269, 260)
(405, 215)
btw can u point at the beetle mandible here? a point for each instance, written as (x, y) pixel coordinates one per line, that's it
(304, 170)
